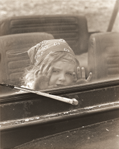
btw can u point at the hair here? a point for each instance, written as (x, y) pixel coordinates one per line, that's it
(29, 75)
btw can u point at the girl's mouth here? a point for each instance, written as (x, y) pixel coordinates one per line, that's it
(60, 85)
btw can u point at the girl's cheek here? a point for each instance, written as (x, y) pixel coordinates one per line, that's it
(53, 80)
(69, 80)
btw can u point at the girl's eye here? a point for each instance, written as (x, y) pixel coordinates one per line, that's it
(55, 71)
(70, 74)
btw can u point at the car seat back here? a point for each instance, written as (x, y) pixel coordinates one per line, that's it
(103, 55)
(13, 56)
(72, 28)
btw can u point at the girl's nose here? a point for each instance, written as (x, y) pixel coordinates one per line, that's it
(62, 77)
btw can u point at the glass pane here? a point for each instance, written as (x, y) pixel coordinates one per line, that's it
(97, 13)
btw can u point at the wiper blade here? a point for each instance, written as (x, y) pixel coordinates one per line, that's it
(63, 99)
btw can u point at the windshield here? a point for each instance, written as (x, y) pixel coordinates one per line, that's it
(75, 52)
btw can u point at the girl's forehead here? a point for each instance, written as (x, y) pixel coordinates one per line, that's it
(65, 65)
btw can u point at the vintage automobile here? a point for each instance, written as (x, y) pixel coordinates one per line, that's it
(46, 119)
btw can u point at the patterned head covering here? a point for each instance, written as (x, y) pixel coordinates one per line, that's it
(42, 49)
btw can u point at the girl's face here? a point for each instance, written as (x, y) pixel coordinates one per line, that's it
(62, 73)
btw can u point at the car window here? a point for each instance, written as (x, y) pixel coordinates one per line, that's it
(97, 59)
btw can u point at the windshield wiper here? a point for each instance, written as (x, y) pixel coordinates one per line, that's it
(63, 99)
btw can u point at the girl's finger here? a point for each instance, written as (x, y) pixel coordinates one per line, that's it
(74, 75)
(78, 72)
(46, 68)
(37, 72)
(42, 67)
(50, 72)
(83, 72)
(89, 77)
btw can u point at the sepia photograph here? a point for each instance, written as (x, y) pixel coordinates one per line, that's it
(59, 74)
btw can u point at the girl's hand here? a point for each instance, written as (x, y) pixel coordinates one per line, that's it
(42, 77)
(80, 78)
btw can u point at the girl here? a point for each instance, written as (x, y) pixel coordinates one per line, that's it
(53, 65)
